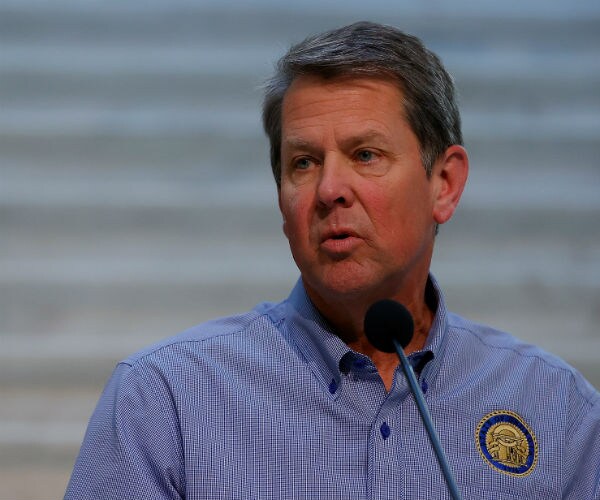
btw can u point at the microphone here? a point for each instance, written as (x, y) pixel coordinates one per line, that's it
(389, 327)
(386, 321)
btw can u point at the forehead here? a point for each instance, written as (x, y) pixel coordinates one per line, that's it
(347, 103)
(306, 88)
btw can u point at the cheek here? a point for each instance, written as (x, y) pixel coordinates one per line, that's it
(384, 207)
(292, 210)
(398, 213)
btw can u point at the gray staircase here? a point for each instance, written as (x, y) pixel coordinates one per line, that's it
(136, 197)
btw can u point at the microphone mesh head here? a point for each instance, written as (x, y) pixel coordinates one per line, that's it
(385, 321)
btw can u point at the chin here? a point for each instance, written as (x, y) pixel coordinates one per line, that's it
(341, 283)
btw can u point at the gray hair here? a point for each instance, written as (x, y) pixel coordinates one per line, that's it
(372, 50)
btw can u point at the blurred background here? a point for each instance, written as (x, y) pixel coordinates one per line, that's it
(136, 197)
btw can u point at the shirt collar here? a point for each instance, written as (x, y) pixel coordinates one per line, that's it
(427, 360)
(310, 334)
(435, 300)
(313, 338)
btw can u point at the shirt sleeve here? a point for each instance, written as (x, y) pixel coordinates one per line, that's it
(132, 448)
(582, 453)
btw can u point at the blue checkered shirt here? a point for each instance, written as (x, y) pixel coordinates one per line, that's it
(272, 405)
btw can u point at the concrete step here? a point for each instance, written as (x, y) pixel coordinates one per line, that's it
(136, 198)
(209, 20)
(550, 123)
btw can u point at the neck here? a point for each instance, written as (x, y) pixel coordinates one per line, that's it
(346, 315)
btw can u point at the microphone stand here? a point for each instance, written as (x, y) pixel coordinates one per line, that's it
(426, 417)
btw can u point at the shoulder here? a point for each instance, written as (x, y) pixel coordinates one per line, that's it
(246, 327)
(499, 349)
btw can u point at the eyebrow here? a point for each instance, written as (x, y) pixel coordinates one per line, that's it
(297, 143)
(368, 135)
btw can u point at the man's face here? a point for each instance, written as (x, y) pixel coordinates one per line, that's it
(355, 198)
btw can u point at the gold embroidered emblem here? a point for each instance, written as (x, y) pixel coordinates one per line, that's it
(507, 443)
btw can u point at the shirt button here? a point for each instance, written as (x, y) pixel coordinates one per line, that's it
(333, 387)
(359, 364)
(385, 430)
(424, 387)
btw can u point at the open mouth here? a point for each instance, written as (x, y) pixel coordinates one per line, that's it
(339, 244)
(342, 236)
(339, 240)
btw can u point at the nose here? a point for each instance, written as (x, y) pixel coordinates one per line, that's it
(334, 186)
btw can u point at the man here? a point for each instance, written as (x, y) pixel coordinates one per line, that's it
(290, 400)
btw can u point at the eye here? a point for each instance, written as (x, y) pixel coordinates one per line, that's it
(371, 161)
(365, 156)
(302, 163)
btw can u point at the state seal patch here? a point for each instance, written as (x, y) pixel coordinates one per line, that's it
(507, 443)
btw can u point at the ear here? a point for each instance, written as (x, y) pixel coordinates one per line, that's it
(448, 178)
